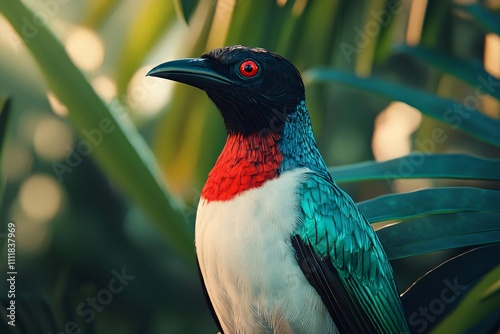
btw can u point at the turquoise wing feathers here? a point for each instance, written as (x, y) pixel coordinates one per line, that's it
(349, 268)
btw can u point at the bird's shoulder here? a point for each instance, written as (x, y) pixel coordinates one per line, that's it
(335, 228)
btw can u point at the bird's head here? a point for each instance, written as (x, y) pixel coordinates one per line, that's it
(254, 89)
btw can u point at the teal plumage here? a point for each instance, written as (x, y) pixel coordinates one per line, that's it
(297, 143)
(337, 231)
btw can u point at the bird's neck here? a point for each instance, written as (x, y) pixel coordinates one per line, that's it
(298, 145)
(245, 163)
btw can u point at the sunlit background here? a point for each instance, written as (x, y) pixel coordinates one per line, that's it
(75, 226)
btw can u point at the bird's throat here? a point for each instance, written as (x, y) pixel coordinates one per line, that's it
(245, 163)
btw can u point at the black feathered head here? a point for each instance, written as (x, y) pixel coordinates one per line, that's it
(254, 89)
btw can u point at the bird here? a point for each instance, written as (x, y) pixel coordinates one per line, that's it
(281, 248)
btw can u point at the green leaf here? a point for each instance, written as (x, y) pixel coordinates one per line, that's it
(492, 292)
(469, 71)
(186, 8)
(147, 27)
(122, 152)
(430, 201)
(98, 11)
(4, 120)
(243, 21)
(450, 112)
(439, 232)
(446, 286)
(473, 308)
(420, 165)
(484, 17)
(388, 29)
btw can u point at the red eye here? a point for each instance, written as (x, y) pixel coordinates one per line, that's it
(249, 68)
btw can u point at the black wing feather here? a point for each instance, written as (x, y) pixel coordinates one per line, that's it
(321, 274)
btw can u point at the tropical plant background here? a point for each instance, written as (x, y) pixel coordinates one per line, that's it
(102, 167)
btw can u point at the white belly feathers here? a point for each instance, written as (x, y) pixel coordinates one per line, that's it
(249, 266)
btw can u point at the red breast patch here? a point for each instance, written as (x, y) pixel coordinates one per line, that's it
(245, 163)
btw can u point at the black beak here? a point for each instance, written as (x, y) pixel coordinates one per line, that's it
(191, 71)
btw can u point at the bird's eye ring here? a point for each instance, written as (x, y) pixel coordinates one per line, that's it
(249, 68)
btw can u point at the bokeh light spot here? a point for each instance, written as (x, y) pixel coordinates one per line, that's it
(40, 197)
(105, 87)
(85, 48)
(57, 107)
(52, 138)
(147, 95)
(393, 129)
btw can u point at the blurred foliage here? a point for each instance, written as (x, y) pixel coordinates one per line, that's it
(449, 283)
(145, 30)
(483, 16)
(444, 166)
(470, 120)
(111, 207)
(480, 301)
(88, 111)
(4, 120)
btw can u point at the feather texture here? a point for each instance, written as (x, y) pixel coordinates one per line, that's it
(249, 265)
(345, 261)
